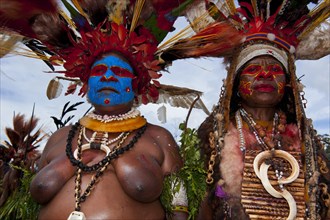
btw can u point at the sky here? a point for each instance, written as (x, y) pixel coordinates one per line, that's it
(23, 84)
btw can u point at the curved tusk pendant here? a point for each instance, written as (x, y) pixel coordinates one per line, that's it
(292, 204)
(261, 157)
(266, 183)
(102, 147)
(261, 169)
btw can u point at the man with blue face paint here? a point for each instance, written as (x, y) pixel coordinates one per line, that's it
(114, 141)
(110, 81)
(111, 157)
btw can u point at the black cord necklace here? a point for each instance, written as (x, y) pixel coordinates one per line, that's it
(105, 160)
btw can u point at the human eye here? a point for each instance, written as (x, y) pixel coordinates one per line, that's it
(121, 72)
(275, 68)
(98, 70)
(251, 69)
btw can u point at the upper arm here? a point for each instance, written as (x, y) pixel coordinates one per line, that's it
(172, 160)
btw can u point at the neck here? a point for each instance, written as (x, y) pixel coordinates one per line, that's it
(112, 110)
(262, 113)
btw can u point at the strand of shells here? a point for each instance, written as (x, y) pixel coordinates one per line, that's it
(133, 113)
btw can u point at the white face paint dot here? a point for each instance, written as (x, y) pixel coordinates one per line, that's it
(169, 145)
(158, 136)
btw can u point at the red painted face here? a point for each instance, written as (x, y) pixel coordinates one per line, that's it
(259, 72)
(262, 78)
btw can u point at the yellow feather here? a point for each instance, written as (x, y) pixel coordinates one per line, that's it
(115, 10)
(255, 8)
(321, 13)
(22, 51)
(8, 42)
(81, 11)
(72, 25)
(136, 14)
(231, 6)
(322, 5)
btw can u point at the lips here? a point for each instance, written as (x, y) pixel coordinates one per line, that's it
(107, 90)
(264, 88)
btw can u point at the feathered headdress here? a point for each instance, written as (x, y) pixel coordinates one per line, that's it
(75, 35)
(288, 30)
(222, 28)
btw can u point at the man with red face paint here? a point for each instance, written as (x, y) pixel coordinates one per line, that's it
(263, 157)
(257, 166)
(255, 134)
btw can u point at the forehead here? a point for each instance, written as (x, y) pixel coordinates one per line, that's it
(113, 59)
(263, 60)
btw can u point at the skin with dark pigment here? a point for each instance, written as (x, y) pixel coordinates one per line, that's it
(130, 186)
(260, 102)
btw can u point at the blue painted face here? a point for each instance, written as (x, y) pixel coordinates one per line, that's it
(110, 82)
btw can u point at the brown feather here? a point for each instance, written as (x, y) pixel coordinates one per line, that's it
(96, 10)
(17, 14)
(18, 123)
(14, 137)
(52, 29)
(216, 40)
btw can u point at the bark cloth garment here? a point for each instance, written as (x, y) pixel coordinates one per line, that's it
(244, 196)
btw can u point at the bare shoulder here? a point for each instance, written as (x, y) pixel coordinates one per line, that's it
(57, 136)
(160, 134)
(158, 131)
(54, 145)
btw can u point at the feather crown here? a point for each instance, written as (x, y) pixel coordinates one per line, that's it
(222, 28)
(76, 37)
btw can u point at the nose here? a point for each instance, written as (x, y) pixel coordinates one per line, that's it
(264, 75)
(111, 78)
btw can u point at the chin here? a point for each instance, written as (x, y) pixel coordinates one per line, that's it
(267, 99)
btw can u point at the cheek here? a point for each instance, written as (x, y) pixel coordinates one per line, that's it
(245, 88)
(281, 86)
(93, 83)
(280, 82)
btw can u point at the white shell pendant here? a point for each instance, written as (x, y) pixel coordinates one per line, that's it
(75, 215)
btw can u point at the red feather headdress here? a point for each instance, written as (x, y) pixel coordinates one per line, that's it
(75, 38)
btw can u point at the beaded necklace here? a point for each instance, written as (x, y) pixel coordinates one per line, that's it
(133, 113)
(267, 143)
